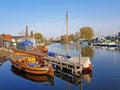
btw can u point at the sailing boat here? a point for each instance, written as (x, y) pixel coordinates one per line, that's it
(84, 62)
(112, 45)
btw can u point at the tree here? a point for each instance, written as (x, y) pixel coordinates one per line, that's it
(71, 37)
(63, 39)
(87, 52)
(86, 33)
(38, 36)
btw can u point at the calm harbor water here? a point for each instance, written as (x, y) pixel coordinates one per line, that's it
(105, 74)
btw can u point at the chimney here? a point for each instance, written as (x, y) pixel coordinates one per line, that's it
(26, 32)
(31, 34)
(3, 35)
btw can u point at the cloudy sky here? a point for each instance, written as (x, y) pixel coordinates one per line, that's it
(48, 16)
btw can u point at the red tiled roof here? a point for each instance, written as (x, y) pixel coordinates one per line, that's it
(6, 37)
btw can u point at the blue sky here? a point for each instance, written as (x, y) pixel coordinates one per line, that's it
(48, 16)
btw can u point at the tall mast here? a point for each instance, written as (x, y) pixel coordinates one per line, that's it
(66, 32)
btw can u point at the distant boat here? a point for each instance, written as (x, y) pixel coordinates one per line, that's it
(42, 48)
(103, 44)
(112, 46)
(30, 64)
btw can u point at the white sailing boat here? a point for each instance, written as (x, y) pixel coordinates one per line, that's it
(112, 45)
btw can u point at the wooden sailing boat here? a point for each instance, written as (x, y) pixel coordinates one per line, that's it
(85, 60)
(30, 64)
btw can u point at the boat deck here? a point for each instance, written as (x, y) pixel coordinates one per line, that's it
(37, 53)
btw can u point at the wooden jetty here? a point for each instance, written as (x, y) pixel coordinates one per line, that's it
(65, 65)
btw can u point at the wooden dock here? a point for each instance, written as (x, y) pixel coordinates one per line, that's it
(65, 65)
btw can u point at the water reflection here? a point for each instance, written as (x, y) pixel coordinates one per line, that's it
(31, 77)
(2, 60)
(75, 80)
(74, 50)
(87, 52)
(87, 77)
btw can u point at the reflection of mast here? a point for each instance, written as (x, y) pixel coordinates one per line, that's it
(114, 49)
(114, 58)
(81, 85)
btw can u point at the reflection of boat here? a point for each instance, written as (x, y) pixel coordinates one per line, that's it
(118, 46)
(29, 64)
(2, 60)
(36, 78)
(66, 77)
(87, 77)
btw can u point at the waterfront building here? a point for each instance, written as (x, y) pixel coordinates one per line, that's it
(77, 35)
(17, 40)
(5, 40)
(109, 38)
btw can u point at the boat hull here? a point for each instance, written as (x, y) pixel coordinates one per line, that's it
(37, 70)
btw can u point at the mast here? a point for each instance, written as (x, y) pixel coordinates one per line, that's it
(67, 40)
(66, 32)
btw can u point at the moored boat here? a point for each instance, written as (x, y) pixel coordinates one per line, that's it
(31, 65)
(42, 47)
(112, 46)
